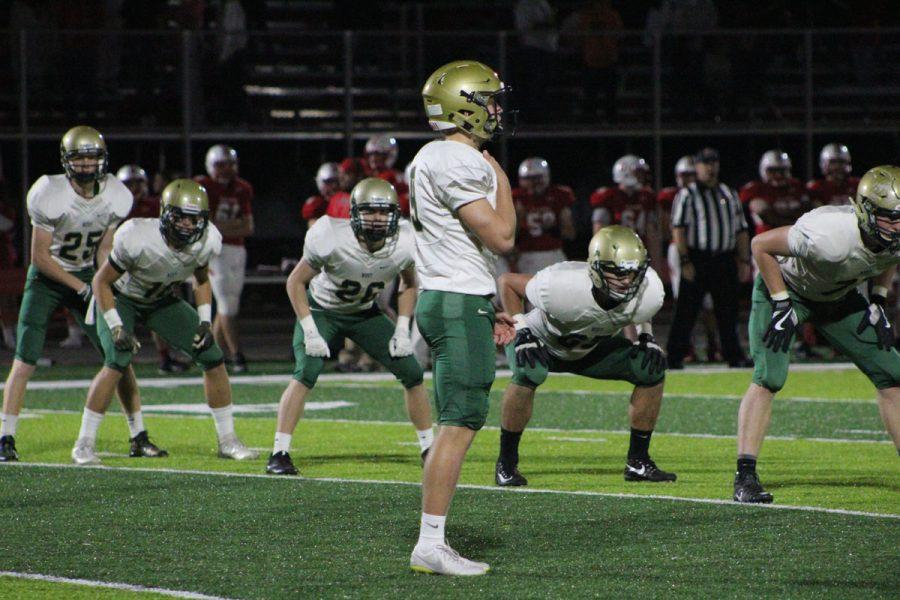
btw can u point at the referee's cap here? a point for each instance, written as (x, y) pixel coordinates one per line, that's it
(707, 155)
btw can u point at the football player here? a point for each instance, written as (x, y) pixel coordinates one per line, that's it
(809, 272)
(345, 265)
(381, 155)
(149, 258)
(74, 216)
(837, 185)
(575, 326)
(462, 212)
(350, 172)
(775, 199)
(545, 217)
(631, 202)
(231, 211)
(328, 183)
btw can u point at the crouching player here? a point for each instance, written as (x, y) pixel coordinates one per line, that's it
(575, 327)
(149, 258)
(346, 264)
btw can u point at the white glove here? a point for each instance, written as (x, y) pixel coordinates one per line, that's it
(400, 344)
(313, 342)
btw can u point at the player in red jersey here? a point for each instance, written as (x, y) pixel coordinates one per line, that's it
(381, 156)
(632, 203)
(328, 182)
(544, 215)
(231, 211)
(776, 199)
(837, 185)
(350, 172)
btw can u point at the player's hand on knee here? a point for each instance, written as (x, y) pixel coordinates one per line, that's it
(782, 326)
(124, 340)
(313, 342)
(203, 339)
(529, 349)
(400, 344)
(654, 357)
(876, 318)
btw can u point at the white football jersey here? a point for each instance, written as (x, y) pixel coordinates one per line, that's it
(77, 224)
(568, 320)
(350, 277)
(829, 256)
(445, 176)
(151, 267)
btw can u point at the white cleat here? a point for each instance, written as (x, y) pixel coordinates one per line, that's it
(232, 447)
(83, 453)
(444, 560)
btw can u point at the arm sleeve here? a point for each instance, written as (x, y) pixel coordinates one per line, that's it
(463, 184)
(679, 214)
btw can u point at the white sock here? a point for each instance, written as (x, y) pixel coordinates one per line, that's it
(426, 438)
(224, 421)
(431, 531)
(135, 422)
(282, 442)
(90, 423)
(8, 424)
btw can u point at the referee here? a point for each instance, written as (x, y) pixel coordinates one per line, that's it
(710, 232)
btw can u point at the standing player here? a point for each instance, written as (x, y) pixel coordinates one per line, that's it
(346, 264)
(149, 258)
(231, 211)
(545, 217)
(462, 212)
(631, 203)
(579, 312)
(809, 272)
(328, 183)
(381, 156)
(837, 185)
(776, 199)
(74, 216)
(350, 172)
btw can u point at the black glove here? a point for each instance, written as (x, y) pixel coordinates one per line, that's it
(124, 340)
(782, 326)
(85, 293)
(653, 353)
(529, 349)
(876, 317)
(203, 339)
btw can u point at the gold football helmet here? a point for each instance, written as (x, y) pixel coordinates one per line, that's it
(617, 262)
(463, 95)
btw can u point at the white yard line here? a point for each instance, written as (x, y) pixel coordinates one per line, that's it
(487, 488)
(128, 587)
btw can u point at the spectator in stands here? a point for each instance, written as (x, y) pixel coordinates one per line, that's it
(596, 26)
(231, 211)
(630, 202)
(685, 175)
(544, 215)
(775, 199)
(535, 58)
(328, 183)
(837, 186)
(710, 233)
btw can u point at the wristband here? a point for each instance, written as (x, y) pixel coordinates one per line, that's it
(402, 324)
(879, 290)
(112, 318)
(520, 321)
(309, 327)
(205, 313)
(779, 296)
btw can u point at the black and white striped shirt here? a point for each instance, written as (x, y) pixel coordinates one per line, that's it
(712, 217)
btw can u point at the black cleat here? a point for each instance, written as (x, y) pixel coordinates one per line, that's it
(141, 446)
(748, 489)
(425, 454)
(644, 469)
(171, 365)
(508, 477)
(8, 449)
(280, 464)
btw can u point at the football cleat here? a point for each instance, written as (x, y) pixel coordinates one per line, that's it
(232, 447)
(425, 454)
(748, 489)
(280, 464)
(83, 453)
(644, 469)
(171, 365)
(8, 449)
(444, 560)
(508, 477)
(142, 446)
